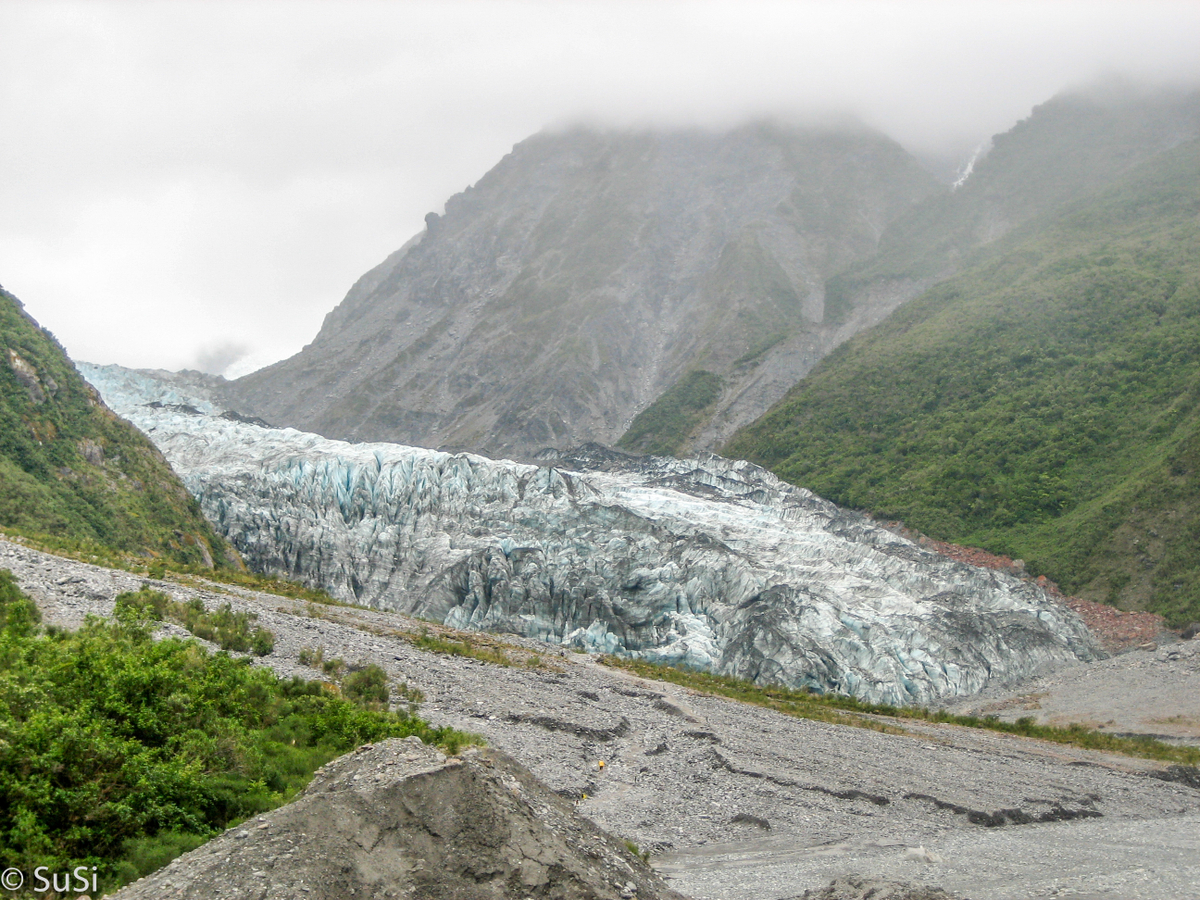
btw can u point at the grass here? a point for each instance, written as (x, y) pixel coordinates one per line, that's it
(634, 849)
(475, 646)
(844, 710)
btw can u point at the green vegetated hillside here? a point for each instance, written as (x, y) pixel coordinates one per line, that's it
(74, 474)
(1044, 403)
(666, 425)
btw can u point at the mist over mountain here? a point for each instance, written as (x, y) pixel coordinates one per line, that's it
(660, 289)
(588, 273)
(1067, 149)
(1043, 402)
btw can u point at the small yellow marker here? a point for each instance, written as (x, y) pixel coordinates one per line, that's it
(602, 764)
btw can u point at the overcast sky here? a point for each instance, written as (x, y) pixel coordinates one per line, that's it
(197, 184)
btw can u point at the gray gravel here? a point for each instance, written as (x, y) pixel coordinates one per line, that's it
(739, 802)
(1153, 692)
(375, 825)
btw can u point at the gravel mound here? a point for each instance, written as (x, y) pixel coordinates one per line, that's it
(402, 820)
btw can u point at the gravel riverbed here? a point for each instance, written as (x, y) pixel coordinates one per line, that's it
(740, 802)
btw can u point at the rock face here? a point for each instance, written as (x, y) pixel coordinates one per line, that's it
(707, 562)
(400, 820)
(589, 272)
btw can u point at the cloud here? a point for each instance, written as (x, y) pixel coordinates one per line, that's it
(174, 174)
(218, 359)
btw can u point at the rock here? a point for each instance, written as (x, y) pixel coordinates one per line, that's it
(747, 819)
(1188, 775)
(1191, 631)
(27, 375)
(710, 563)
(399, 819)
(91, 451)
(856, 887)
(926, 856)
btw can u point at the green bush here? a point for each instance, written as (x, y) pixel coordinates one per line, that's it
(120, 751)
(666, 424)
(367, 687)
(227, 629)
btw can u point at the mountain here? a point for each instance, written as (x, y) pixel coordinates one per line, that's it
(591, 273)
(1044, 403)
(1069, 148)
(707, 563)
(73, 473)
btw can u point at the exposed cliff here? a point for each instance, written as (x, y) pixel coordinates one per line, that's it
(709, 563)
(589, 272)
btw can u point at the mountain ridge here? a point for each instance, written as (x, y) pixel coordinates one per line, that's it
(584, 275)
(1040, 404)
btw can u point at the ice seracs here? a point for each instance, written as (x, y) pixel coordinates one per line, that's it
(710, 563)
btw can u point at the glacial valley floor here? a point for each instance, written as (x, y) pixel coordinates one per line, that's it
(742, 803)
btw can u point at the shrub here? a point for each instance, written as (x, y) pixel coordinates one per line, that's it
(120, 751)
(227, 629)
(367, 687)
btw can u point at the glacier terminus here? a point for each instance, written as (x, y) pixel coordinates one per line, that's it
(708, 563)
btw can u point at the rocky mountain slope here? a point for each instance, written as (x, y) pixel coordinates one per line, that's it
(737, 801)
(72, 472)
(708, 563)
(1042, 404)
(1069, 148)
(660, 290)
(588, 273)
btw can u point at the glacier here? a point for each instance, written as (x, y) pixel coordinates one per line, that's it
(708, 563)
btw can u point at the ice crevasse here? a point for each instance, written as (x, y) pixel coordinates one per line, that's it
(709, 563)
